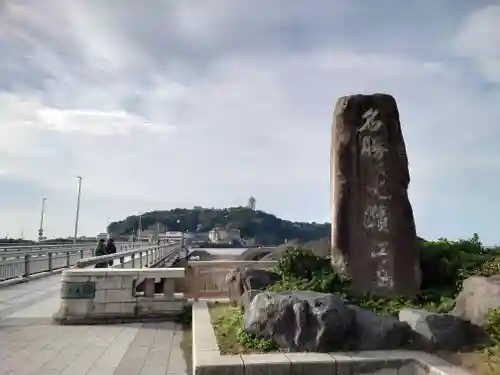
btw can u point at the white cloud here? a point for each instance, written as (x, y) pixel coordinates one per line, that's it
(479, 39)
(160, 107)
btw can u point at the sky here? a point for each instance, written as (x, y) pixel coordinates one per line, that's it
(165, 104)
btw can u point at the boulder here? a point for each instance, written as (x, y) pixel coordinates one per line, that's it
(243, 284)
(479, 295)
(441, 331)
(371, 331)
(373, 228)
(300, 321)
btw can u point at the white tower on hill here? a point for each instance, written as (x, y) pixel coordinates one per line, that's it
(251, 203)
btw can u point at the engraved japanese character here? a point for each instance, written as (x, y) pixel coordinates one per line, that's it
(376, 191)
(377, 217)
(380, 250)
(373, 147)
(383, 279)
(371, 124)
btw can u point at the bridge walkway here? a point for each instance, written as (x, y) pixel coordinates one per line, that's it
(30, 344)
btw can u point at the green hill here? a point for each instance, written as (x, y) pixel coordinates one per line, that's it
(267, 229)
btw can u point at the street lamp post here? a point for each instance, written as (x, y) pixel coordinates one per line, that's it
(77, 208)
(40, 230)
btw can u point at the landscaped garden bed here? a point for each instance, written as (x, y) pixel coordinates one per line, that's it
(444, 266)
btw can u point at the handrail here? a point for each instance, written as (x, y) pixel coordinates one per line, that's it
(103, 258)
(30, 263)
(43, 252)
(50, 246)
(56, 246)
(62, 249)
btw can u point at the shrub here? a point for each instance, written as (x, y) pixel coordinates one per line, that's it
(445, 264)
(300, 263)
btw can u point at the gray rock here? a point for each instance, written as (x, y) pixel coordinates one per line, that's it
(241, 283)
(247, 297)
(479, 295)
(377, 332)
(441, 331)
(300, 321)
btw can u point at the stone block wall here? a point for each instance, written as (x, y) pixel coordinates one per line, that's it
(111, 294)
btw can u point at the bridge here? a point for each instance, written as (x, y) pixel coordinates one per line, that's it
(31, 344)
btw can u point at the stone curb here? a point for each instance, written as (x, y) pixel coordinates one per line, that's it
(207, 359)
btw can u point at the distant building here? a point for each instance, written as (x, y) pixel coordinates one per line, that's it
(224, 236)
(176, 236)
(148, 235)
(251, 203)
(158, 227)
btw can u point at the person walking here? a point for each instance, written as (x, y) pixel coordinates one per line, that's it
(110, 249)
(100, 250)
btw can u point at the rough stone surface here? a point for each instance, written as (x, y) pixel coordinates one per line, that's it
(479, 295)
(377, 332)
(441, 331)
(299, 321)
(244, 284)
(373, 228)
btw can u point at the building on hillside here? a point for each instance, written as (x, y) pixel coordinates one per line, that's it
(148, 235)
(224, 236)
(158, 227)
(176, 236)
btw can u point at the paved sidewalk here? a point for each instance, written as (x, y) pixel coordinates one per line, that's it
(31, 345)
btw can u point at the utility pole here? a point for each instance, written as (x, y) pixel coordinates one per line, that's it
(77, 208)
(40, 230)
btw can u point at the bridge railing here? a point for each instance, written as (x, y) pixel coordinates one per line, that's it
(24, 261)
(141, 257)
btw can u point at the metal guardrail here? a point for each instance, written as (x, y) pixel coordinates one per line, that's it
(24, 261)
(145, 256)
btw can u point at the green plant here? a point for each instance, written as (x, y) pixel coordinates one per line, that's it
(249, 341)
(300, 263)
(445, 264)
(492, 326)
(228, 324)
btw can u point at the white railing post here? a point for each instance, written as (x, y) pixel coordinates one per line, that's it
(27, 265)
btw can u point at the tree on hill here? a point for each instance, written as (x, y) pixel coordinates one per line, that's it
(267, 229)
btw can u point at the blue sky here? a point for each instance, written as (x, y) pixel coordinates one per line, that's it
(206, 102)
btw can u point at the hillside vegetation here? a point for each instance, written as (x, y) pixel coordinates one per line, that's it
(267, 229)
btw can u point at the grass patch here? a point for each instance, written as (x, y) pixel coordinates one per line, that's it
(231, 338)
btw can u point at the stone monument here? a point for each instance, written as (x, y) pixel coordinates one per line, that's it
(373, 229)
